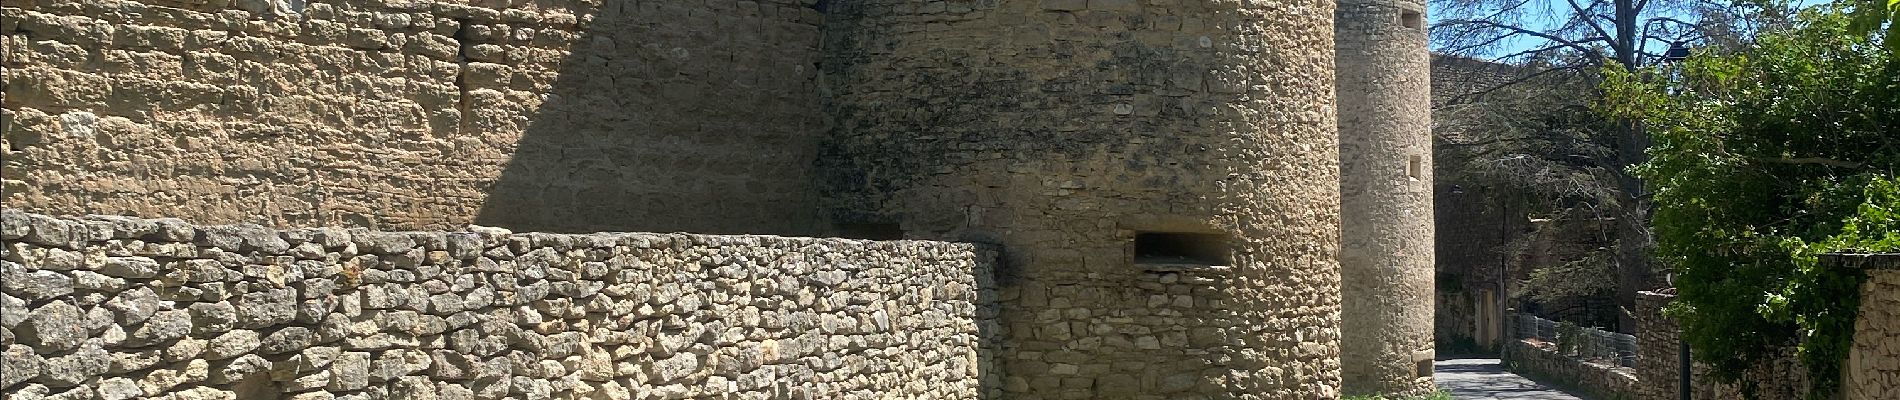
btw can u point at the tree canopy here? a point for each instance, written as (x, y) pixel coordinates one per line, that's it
(1763, 158)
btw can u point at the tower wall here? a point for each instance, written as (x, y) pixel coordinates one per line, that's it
(1385, 183)
(1065, 131)
(556, 115)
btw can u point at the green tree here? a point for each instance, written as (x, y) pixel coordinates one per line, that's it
(1763, 158)
(1579, 37)
(1869, 15)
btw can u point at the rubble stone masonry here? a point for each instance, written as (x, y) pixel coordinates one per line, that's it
(560, 115)
(1068, 131)
(1873, 364)
(1385, 162)
(120, 308)
(1160, 178)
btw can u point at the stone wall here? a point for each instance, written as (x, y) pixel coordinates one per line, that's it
(1598, 380)
(1658, 365)
(1385, 163)
(1066, 130)
(1658, 348)
(559, 115)
(1873, 365)
(1456, 79)
(118, 308)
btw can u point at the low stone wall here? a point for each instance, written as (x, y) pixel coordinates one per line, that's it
(1658, 362)
(1599, 380)
(1873, 365)
(119, 308)
(1658, 347)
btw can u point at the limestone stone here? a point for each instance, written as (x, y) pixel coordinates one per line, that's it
(118, 389)
(14, 224)
(232, 344)
(186, 349)
(76, 368)
(162, 326)
(237, 369)
(134, 306)
(34, 285)
(13, 311)
(266, 308)
(20, 364)
(350, 371)
(204, 393)
(319, 395)
(286, 340)
(130, 267)
(54, 327)
(211, 319)
(127, 362)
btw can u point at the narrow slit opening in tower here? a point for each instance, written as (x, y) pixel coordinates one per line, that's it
(1415, 167)
(871, 231)
(1411, 19)
(1181, 250)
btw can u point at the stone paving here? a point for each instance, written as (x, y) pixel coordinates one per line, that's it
(1486, 379)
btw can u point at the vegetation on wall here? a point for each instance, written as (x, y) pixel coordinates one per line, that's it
(1764, 157)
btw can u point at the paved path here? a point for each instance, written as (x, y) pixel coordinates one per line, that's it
(1485, 379)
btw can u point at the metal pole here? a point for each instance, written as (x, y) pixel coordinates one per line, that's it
(1504, 229)
(1682, 384)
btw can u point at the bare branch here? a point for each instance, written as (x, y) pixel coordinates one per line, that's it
(1583, 15)
(1536, 50)
(1512, 29)
(1461, 98)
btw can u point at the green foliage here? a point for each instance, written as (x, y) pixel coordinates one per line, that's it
(1762, 159)
(1569, 336)
(1868, 16)
(1823, 301)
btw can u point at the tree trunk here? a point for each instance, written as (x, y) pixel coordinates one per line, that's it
(1633, 239)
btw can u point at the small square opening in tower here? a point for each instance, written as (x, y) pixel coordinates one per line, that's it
(1415, 167)
(1181, 250)
(1412, 19)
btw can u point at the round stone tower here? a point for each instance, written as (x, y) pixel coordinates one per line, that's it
(1385, 151)
(1162, 177)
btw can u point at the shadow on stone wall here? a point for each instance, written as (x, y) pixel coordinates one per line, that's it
(665, 117)
(661, 117)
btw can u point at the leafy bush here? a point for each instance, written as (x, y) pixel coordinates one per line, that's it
(1762, 160)
(1569, 337)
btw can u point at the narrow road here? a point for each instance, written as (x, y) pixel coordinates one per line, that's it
(1485, 379)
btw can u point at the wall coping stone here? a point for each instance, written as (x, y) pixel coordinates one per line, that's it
(1862, 261)
(74, 231)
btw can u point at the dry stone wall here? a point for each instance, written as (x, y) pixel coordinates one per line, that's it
(1598, 379)
(559, 115)
(1658, 365)
(120, 308)
(1873, 364)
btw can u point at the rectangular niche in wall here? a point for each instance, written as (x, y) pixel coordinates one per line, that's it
(1411, 19)
(1415, 167)
(1181, 250)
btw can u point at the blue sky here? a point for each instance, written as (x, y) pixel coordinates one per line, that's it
(1540, 22)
